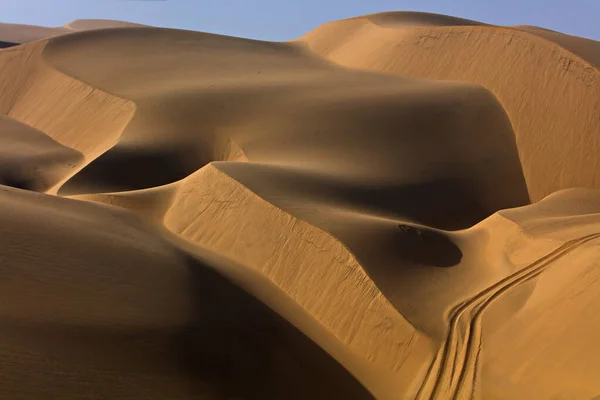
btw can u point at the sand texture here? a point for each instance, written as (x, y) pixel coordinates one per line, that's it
(395, 206)
(547, 82)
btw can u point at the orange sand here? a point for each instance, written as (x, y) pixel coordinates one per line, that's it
(195, 216)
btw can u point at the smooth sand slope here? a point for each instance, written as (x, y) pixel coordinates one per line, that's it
(547, 82)
(188, 215)
(96, 304)
(30, 159)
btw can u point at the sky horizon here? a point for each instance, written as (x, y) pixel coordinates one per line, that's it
(280, 20)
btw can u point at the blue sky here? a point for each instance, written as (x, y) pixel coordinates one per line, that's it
(287, 19)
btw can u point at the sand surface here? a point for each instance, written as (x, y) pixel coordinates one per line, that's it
(394, 206)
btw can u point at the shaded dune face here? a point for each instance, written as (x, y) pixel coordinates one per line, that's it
(546, 81)
(5, 45)
(29, 159)
(88, 315)
(400, 256)
(233, 333)
(123, 169)
(401, 141)
(423, 246)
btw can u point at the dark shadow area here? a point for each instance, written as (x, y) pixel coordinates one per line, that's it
(123, 169)
(24, 183)
(404, 261)
(409, 264)
(35, 175)
(250, 352)
(447, 204)
(32, 160)
(426, 247)
(6, 45)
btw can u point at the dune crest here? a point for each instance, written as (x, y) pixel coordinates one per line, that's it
(406, 19)
(16, 34)
(90, 24)
(192, 215)
(547, 83)
(79, 116)
(31, 160)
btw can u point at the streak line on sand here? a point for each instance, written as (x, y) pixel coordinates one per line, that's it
(453, 372)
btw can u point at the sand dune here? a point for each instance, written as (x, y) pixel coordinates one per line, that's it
(29, 159)
(98, 304)
(79, 116)
(546, 81)
(19, 33)
(587, 49)
(296, 103)
(413, 19)
(189, 215)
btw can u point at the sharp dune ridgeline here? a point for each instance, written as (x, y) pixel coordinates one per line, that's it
(395, 206)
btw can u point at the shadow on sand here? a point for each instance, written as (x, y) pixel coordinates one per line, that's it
(247, 351)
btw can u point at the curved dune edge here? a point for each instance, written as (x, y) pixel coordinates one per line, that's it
(103, 304)
(287, 108)
(78, 116)
(407, 19)
(206, 203)
(17, 34)
(587, 49)
(91, 24)
(550, 94)
(561, 307)
(213, 211)
(318, 272)
(30, 159)
(154, 202)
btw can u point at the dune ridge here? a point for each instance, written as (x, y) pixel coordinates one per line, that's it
(527, 70)
(81, 117)
(221, 217)
(20, 33)
(91, 24)
(30, 159)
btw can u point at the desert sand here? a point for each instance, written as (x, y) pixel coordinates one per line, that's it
(395, 206)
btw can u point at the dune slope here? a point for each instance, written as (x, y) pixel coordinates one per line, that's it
(72, 113)
(546, 81)
(98, 304)
(283, 107)
(16, 34)
(29, 159)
